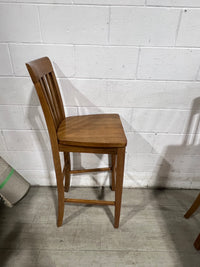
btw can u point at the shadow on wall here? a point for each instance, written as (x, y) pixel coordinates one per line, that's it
(183, 159)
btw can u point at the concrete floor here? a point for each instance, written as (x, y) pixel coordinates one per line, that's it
(152, 230)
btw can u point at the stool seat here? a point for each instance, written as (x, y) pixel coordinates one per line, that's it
(100, 130)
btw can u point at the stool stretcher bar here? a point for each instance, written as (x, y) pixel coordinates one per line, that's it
(90, 202)
(91, 170)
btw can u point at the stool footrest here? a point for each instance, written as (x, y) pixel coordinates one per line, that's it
(90, 202)
(92, 170)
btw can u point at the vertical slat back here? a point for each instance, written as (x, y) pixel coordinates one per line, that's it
(44, 79)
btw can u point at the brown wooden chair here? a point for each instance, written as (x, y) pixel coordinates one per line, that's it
(192, 209)
(101, 134)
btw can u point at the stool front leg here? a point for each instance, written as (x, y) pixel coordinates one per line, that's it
(119, 184)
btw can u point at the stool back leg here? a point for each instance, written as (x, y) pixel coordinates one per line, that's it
(67, 170)
(113, 172)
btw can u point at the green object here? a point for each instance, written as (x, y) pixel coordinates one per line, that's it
(7, 178)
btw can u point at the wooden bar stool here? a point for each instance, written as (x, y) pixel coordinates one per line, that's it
(101, 134)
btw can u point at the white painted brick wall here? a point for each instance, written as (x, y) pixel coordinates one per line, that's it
(106, 62)
(12, 117)
(190, 25)
(14, 26)
(82, 24)
(169, 64)
(143, 26)
(175, 3)
(111, 2)
(138, 58)
(62, 56)
(159, 120)
(2, 142)
(5, 66)
(26, 140)
(17, 91)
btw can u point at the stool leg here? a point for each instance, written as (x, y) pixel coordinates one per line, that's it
(60, 187)
(113, 172)
(193, 208)
(67, 170)
(197, 243)
(119, 184)
(60, 205)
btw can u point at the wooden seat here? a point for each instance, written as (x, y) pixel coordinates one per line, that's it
(102, 133)
(102, 130)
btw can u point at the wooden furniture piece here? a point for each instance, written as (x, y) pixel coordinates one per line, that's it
(101, 134)
(189, 213)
